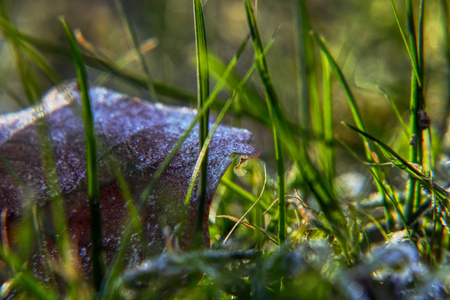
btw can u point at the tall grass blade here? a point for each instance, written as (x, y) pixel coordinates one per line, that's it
(307, 85)
(328, 152)
(411, 48)
(446, 44)
(91, 160)
(275, 113)
(201, 113)
(417, 107)
(202, 95)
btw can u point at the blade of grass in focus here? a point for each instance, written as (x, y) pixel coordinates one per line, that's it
(248, 210)
(417, 105)
(199, 165)
(275, 111)
(209, 102)
(91, 160)
(202, 96)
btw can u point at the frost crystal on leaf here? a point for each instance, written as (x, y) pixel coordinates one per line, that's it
(138, 135)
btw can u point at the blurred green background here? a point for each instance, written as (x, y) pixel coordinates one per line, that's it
(362, 35)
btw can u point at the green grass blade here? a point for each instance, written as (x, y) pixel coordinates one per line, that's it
(209, 102)
(328, 152)
(412, 169)
(248, 210)
(417, 106)
(307, 85)
(350, 98)
(91, 160)
(445, 5)
(200, 162)
(275, 112)
(202, 96)
(411, 48)
(239, 191)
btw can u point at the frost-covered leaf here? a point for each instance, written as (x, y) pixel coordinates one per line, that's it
(139, 135)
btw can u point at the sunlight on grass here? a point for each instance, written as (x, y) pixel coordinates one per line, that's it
(288, 225)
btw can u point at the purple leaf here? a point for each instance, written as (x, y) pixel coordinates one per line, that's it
(139, 135)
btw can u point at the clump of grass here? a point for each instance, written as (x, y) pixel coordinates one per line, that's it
(285, 232)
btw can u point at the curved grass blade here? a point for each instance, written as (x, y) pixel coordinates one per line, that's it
(390, 194)
(91, 160)
(27, 282)
(251, 207)
(412, 169)
(247, 224)
(328, 153)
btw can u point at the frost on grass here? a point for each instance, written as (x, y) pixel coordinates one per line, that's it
(138, 135)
